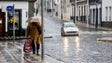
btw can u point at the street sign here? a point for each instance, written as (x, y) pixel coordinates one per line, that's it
(10, 8)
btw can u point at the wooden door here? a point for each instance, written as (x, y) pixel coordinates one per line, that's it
(2, 23)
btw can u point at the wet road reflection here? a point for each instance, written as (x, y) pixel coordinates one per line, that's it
(66, 45)
(77, 42)
(73, 42)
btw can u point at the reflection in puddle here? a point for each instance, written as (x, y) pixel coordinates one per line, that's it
(66, 45)
(77, 42)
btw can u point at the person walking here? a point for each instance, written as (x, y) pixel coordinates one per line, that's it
(34, 32)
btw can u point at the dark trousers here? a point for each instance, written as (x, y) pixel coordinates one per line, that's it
(37, 46)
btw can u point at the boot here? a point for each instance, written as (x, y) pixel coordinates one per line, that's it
(33, 52)
(38, 53)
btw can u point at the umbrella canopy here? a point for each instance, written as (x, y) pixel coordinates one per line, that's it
(34, 19)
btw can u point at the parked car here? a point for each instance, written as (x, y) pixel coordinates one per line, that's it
(69, 28)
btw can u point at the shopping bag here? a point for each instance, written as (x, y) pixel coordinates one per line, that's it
(27, 46)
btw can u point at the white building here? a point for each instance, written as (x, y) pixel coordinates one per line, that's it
(21, 14)
(81, 10)
(95, 15)
(101, 13)
(107, 13)
(67, 9)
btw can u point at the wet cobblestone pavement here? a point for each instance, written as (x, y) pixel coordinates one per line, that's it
(10, 53)
(82, 49)
(61, 50)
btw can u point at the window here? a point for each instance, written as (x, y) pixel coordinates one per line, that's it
(81, 10)
(84, 10)
(110, 14)
(106, 17)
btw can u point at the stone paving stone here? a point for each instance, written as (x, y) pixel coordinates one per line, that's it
(2, 59)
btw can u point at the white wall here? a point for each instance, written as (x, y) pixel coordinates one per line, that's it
(92, 17)
(18, 5)
(107, 4)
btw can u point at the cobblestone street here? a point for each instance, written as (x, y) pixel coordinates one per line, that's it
(82, 49)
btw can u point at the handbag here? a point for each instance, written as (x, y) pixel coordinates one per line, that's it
(27, 46)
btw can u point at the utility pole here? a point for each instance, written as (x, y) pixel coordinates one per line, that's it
(11, 9)
(13, 24)
(87, 13)
(42, 19)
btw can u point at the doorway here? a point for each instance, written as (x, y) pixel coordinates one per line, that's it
(17, 18)
(2, 23)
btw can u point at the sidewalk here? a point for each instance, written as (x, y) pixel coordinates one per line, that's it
(13, 53)
(91, 26)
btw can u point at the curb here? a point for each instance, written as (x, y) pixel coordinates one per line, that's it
(48, 37)
(11, 38)
(18, 38)
(105, 39)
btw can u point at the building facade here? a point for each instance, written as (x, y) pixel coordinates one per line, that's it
(66, 9)
(81, 10)
(100, 13)
(106, 13)
(23, 10)
(95, 15)
(94, 12)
